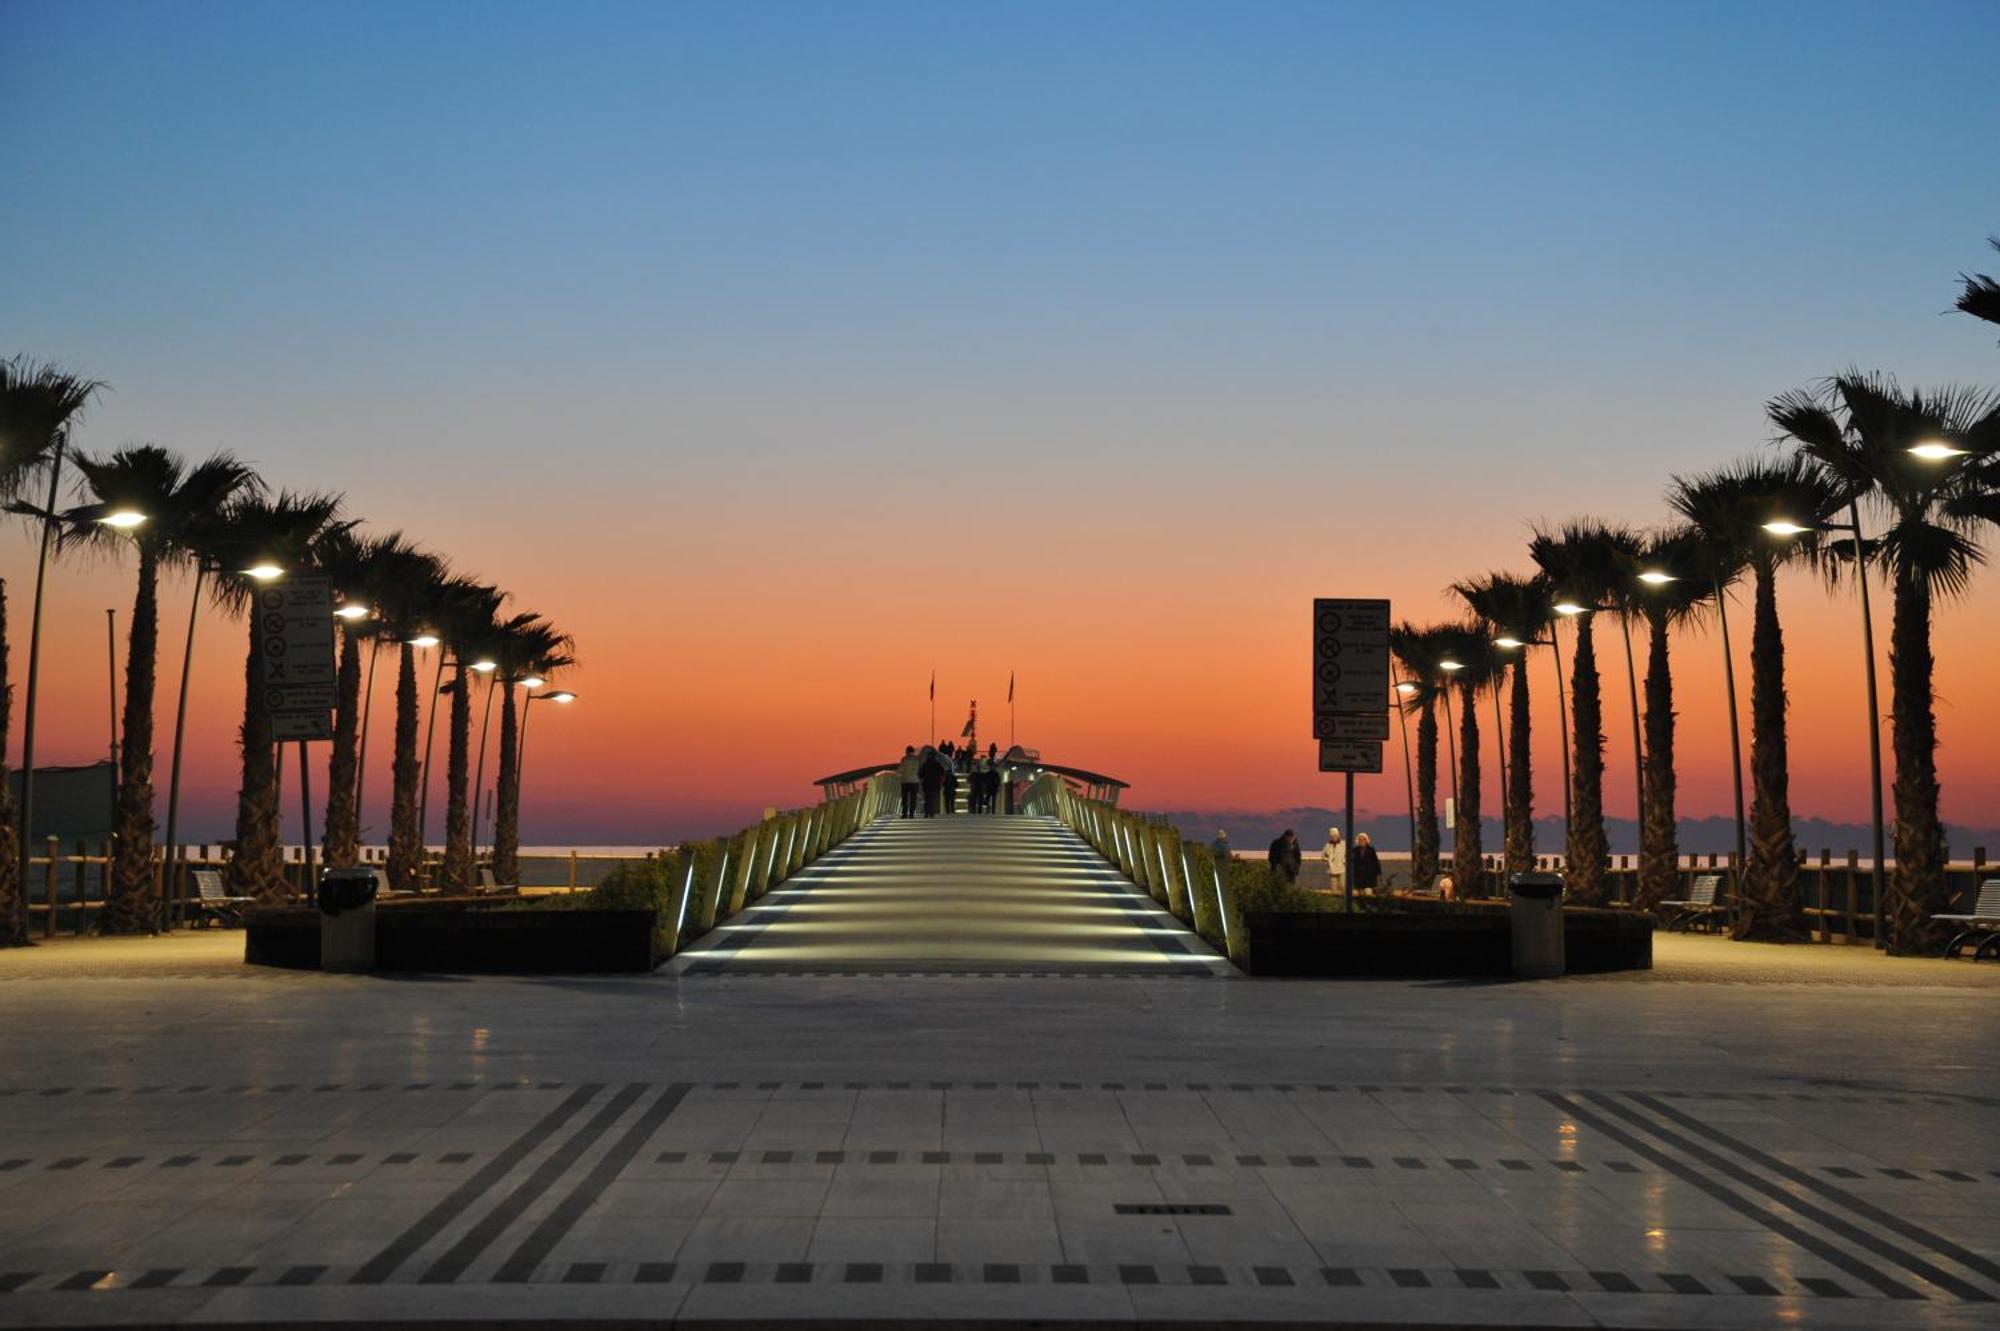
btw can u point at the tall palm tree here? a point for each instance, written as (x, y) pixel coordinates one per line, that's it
(364, 569)
(1676, 587)
(407, 599)
(1981, 296)
(466, 622)
(1729, 507)
(1419, 650)
(38, 405)
(1519, 610)
(284, 530)
(529, 647)
(1588, 565)
(174, 502)
(1475, 666)
(1858, 429)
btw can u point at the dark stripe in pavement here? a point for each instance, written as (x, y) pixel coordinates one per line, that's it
(1867, 1210)
(405, 1245)
(534, 1249)
(1853, 1233)
(1777, 1224)
(559, 1161)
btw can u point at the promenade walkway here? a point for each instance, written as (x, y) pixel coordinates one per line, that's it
(956, 895)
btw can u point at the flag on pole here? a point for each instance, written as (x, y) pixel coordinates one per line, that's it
(1010, 686)
(933, 686)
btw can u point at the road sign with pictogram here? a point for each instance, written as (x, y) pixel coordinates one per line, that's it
(1351, 725)
(1350, 655)
(1350, 755)
(294, 628)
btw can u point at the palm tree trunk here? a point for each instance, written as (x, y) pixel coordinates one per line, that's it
(13, 901)
(1772, 907)
(1424, 854)
(507, 794)
(1918, 889)
(1467, 871)
(406, 851)
(1520, 839)
(457, 812)
(1585, 853)
(134, 907)
(343, 818)
(257, 867)
(1659, 850)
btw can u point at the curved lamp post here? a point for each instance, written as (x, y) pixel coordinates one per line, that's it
(527, 705)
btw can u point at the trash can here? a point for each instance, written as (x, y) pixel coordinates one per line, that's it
(1537, 924)
(347, 920)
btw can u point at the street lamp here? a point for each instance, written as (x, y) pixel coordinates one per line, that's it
(352, 611)
(1658, 577)
(521, 749)
(1788, 528)
(123, 519)
(1936, 450)
(264, 572)
(1571, 608)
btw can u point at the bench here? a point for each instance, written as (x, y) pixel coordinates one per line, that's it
(1700, 907)
(212, 903)
(1981, 928)
(487, 883)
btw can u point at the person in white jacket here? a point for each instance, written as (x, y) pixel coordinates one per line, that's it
(1335, 853)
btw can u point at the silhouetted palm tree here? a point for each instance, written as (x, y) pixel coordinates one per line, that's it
(1588, 565)
(466, 621)
(1419, 650)
(1859, 429)
(1472, 664)
(1679, 554)
(364, 570)
(1981, 296)
(407, 605)
(1520, 610)
(281, 530)
(1729, 507)
(528, 647)
(176, 503)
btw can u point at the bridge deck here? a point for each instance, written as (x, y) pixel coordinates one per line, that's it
(956, 895)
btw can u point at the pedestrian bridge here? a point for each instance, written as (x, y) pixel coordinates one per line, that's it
(1016, 894)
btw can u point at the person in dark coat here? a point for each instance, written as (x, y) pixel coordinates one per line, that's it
(1367, 864)
(931, 774)
(950, 786)
(1285, 858)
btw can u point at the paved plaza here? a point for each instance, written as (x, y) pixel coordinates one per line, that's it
(1745, 1137)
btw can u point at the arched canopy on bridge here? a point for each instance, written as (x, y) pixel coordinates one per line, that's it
(1017, 763)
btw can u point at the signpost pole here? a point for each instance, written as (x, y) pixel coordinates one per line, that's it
(306, 814)
(1347, 849)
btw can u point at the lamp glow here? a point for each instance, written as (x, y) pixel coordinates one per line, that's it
(424, 640)
(1451, 665)
(532, 682)
(485, 666)
(1406, 688)
(1654, 577)
(1570, 608)
(1510, 642)
(1785, 527)
(124, 519)
(1936, 450)
(352, 611)
(265, 572)
(560, 695)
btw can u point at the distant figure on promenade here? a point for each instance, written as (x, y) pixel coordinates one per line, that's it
(1335, 854)
(1285, 858)
(910, 773)
(982, 784)
(1367, 865)
(950, 778)
(1220, 849)
(931, 775)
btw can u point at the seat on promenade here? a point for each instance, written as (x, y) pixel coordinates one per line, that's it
(488, 883)
(1981, 928)
(1699, 908)
(212, 903)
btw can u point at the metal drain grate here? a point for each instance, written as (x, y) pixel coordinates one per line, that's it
(1171, 1208)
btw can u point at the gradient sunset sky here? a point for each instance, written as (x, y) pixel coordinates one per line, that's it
(786, 352)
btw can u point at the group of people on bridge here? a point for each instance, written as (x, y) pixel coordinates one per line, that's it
(930, 779)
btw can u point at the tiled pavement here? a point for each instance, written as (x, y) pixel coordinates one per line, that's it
(739, 1146)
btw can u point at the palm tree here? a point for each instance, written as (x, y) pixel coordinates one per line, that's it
(1858, 430)
(407, 599)
(1677, 585)
(1588, 565)
(466, 622)
(175, 502)
(529, 647)
(1419, 650)
(1981, 296)
(1473, 664)
(38, 405)
(1520, 611)
(282, 530)
(365, 571)
(1730, 507)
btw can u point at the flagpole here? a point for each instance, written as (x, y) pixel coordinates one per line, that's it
(934, 709)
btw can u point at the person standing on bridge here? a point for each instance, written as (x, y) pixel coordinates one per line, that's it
(1367, 865)
(1285, 858)
(981, 770)
(950, 778)
(1335, 855)
(910, 773)
(931, 775)
(1220, 849)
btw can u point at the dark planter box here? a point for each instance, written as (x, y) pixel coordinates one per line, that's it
(451, 938)
(1467, 942)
